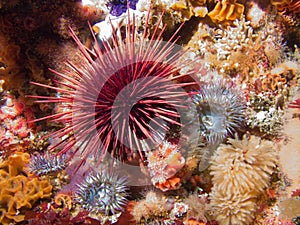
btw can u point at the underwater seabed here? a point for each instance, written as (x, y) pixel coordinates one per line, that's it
(176, 112)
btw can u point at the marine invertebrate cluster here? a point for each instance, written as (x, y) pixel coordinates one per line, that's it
(241, 170)
(102, 193)
(41, 164)
(184, 10)
(127, 95)
(47, 214)
(18, 191)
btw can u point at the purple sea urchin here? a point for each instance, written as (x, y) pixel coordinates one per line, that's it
(221, 109)
(102, 193)
(41, 164)
(123, 97)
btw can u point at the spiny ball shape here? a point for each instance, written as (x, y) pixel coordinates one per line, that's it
(102, 193)
(41, 164)
(124, 95)
(243, 165)
(221, 108)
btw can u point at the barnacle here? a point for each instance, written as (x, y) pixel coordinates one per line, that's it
(19, 192)
(226, 10)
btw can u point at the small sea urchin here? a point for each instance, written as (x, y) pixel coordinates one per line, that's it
(123, 97)
(102, 193)
(221, 110)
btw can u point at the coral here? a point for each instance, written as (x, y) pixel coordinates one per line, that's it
(243, 165)
(102, 193)
(226, 11)
(239, 50)
(19, 192)
(221, 108)
(163, 164)
(46, 163)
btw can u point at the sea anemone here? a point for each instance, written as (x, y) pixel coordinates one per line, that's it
(41, 164)
(102, 193)
(221, 107)
(123, 96)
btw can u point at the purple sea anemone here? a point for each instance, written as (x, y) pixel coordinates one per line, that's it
(124, 98)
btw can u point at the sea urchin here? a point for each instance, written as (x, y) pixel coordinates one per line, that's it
(123, 97)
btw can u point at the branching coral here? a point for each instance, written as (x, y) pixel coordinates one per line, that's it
(19, 192)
